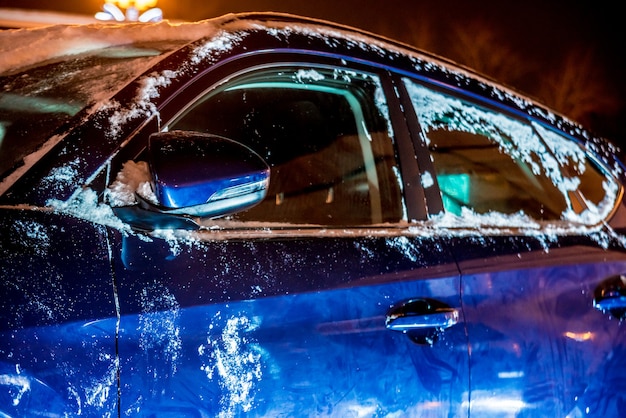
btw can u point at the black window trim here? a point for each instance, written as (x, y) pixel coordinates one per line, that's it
(434, 201)
(432, 195)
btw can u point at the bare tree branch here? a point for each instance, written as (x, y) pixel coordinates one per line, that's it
(476, 45)
(578, 88)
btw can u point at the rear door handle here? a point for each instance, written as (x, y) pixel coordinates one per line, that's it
(610, 296)
(422, 320)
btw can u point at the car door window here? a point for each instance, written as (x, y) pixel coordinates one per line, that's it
(595, 189)
(324, 132)
(486, 161)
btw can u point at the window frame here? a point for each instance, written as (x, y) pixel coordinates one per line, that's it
(433, 195)
(413, 208)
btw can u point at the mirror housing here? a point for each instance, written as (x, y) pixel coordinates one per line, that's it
(197, 175)
(205, 175)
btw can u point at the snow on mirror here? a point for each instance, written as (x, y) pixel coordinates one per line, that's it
(490, 162)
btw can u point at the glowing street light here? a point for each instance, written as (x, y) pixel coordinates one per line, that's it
(112, 11)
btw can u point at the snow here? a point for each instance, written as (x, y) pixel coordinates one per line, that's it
(20, 48)
(19, 385)
(100, 390)
(11, 17)
(142, 105)
(408, 247)
(545, 153)
(85, 205)
(32, 234)
(62, 176)
(230, 355)
(159, 327)
(304, 76)
(427, 180)
(223, 41)
(134, 178)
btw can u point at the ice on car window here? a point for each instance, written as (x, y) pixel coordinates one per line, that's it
(597, 191)
(487, 161)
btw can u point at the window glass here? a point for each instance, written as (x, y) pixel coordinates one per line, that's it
(486, 161)
(595, 191)
(52, 91)
(325, 134)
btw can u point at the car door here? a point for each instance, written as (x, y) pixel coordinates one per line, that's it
(541, 291)
(322, 300)
(538, 341)
(57, 331)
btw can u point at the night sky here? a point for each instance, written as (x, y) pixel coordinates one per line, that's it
(541, 32)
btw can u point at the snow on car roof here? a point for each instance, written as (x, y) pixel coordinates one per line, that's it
(25, 47)
(20, 48)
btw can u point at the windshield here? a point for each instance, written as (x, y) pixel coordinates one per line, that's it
(38, 100)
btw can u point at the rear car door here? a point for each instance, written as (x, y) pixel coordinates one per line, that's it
(321, 300)
(541, 273)
(538, 341)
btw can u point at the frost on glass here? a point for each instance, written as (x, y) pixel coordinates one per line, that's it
(546, 155)
(597, 191)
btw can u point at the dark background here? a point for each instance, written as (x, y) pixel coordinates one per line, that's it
(533, 37)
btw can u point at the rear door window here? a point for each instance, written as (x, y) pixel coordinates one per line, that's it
(486, 161)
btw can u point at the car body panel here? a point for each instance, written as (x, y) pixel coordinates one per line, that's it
(538, 344)
(59, 317)
(285, 327)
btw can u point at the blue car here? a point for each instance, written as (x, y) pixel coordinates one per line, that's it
(267, 215)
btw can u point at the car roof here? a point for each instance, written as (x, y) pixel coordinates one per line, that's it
(195, 41)
(24, 48)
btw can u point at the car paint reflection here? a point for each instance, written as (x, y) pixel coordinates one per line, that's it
(285, 342)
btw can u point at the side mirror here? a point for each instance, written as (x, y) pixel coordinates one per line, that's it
(197, 175)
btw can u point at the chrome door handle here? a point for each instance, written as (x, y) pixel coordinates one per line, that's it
(610, 296)
(422, 320)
